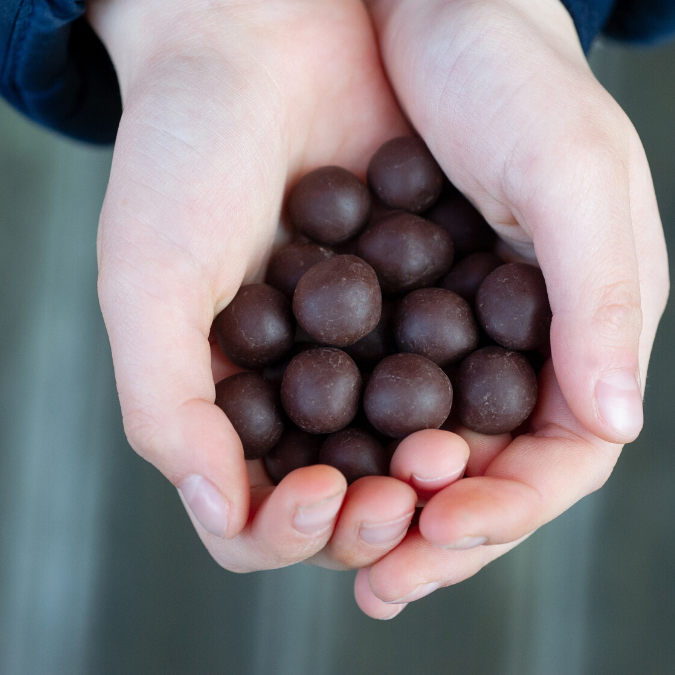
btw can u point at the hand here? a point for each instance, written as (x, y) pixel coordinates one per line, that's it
(502, 94)
(225, 105)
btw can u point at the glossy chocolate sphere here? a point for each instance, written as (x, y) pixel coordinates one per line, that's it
(512, 306)
(257, 328)
(404, 175)
(252, 405)
(407, 252)
(329, 205)
(495, 390)
(355, 453)
(435, 323)
(338, 301)
(321, 390)
(406, 393)
(290, 262)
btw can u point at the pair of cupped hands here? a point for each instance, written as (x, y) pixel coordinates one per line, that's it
(226, 105)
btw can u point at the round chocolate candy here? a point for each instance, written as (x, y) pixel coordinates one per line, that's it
(467, 228)
(468, 274)
(512, 306)
(321, 390)
(296, 449)
(378, 344)
(404, 175)
(495, 390)
(252, 405)
(289, 264)
(407, 252)
(338, 301)
(435, 323)
(406, 393)
(275, 372)
(329, 205)
(257, 328)
(355, 453)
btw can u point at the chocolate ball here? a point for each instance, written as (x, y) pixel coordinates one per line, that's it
(435, 323)
(404, 175)
(406, 393)
(338, 301)
(252, 405)
(257, 328)
(275, 372)
(407, 252)
(291, 262)
(495, 390)
(512, 306)
(321, 390)
(355, 453)
(378, 344)
(329, 205)
(467, 228)
(296, 449)
(468, 274)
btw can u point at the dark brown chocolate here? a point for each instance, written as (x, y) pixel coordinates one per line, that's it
(257, 328)
(252, 405)
(378, 344)
(495, 390)
(512, 306)
(435, 323)
(407, 252)
(406, 393)
(338, 301)
(468, 274)
(404, 175)
(329, 205)
(467, 228)
(321, 390)
(296, 449)
(355, 453)
(289, 264)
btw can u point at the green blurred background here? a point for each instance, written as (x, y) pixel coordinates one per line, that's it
(101, 572)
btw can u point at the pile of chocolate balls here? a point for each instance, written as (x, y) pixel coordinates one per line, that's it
(376, 322)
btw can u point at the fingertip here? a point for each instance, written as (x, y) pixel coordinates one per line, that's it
(368, 603)
(430, 460)
(619, 404)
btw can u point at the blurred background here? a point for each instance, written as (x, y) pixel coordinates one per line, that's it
(101, 571)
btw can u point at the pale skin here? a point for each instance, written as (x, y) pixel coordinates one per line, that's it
(226, 105)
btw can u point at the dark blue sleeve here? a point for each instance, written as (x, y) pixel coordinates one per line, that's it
(54, 69)
(637, 21)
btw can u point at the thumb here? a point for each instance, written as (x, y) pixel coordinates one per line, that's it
(577, 209)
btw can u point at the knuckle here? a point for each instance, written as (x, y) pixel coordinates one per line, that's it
(618, 313)
(143, 431)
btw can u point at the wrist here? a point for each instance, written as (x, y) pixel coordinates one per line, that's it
(141, 33)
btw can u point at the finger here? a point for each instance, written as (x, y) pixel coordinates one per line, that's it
(288, 523)
(482, 449)
(535, 479)
(415, 569)
(368, 603)
(430, 460)
(375, 516)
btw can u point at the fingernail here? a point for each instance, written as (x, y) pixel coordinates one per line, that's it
(396, 613)
(620, 402)
(465, 543)
(316, 518)
(417, 593)
(206, 503)
(378, 534)
(437, 482)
